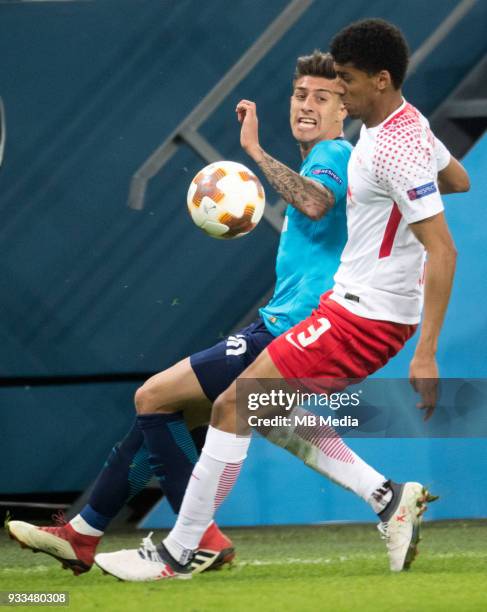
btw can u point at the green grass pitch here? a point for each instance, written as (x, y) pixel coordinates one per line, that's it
(333, 567)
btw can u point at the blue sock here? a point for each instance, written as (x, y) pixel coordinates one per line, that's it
(172, 453)
(125, 473)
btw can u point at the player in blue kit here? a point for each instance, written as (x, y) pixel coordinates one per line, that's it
(335, 342)
(308, 249)
(307, 258)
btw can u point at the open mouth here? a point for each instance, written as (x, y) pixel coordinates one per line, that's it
(306, 122)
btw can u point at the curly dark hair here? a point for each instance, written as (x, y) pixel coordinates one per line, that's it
(373, 45)
(317, 64)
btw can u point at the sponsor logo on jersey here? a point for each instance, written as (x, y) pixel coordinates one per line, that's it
(329, 172)
(421, 192)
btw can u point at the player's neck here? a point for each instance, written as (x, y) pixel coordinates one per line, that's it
(385, 107)
(305, 147)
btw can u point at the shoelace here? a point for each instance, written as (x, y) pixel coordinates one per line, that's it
(383, 528)
(148, 550)
(59, 518)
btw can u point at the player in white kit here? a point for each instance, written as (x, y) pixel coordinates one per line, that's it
(394, 218)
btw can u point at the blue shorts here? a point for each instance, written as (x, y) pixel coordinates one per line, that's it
(217, 367)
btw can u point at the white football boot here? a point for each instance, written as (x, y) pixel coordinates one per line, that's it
(74, 550)
(401, 523)
(145, 564)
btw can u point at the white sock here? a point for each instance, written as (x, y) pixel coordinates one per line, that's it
(380, 498)
(322, 449)
(79, 524)
(212, 479)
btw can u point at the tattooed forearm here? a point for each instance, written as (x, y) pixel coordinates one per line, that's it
(310, 197)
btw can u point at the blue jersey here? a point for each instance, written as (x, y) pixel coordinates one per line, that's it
(309, 251)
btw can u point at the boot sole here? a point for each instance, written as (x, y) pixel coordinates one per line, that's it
(422, 505)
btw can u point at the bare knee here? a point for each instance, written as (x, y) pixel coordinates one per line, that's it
(170, 390)
(223, 415)
(149, 398)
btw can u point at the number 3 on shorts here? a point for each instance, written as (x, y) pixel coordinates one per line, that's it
(313, 333)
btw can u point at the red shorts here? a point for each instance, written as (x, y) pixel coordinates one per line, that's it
(333, 343)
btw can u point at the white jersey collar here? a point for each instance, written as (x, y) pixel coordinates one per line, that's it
(376, 128)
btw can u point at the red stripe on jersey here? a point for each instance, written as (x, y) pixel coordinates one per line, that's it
(390, 233)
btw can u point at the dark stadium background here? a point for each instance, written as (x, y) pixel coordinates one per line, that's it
(96, 295)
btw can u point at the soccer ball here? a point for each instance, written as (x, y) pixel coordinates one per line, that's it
(226, 200)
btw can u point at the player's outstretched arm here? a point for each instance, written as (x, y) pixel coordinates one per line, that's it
(433, 233)
(310, 197)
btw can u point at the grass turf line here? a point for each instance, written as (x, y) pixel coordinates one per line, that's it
(334, 567)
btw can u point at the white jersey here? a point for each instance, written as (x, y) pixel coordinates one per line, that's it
(392, 182)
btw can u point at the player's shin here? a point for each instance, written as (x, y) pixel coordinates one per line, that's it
(322, 449)
(212, 479)
(172, 453)
(125, 473)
